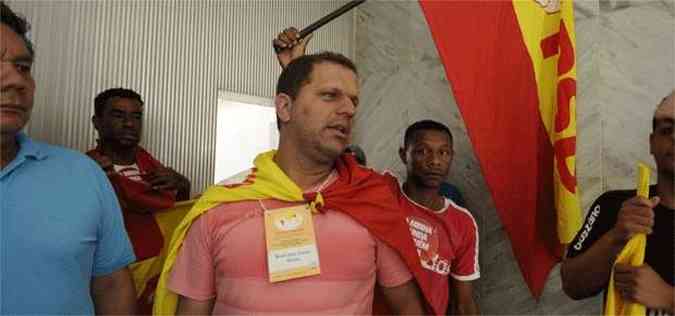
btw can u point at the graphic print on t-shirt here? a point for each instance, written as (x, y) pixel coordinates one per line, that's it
(130, 171)
(427, 241)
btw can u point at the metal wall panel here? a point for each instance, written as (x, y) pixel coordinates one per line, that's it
(176, 54)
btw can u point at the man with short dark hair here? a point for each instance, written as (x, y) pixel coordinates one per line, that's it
(64, 247)
(143, 185)
(118, 119)
(615, 217)
(229, 255)
(446, 234)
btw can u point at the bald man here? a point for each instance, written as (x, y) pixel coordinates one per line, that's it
(618, 215)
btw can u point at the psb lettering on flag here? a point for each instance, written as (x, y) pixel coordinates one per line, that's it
(512, 71)
(548, 31)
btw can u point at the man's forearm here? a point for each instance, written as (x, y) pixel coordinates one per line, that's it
(114, 294)
(669, 300)
(191, 307)
(588, 272)
(183, 193)
(462, 301)
(405, 299)
(468, 308)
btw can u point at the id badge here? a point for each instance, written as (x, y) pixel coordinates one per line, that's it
(291, 243)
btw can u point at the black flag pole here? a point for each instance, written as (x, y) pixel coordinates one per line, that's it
(330, 17)
(324, 20)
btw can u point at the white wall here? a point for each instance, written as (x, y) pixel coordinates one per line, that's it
(247, 126)
(176, 54)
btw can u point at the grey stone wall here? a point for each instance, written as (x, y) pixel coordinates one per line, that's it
(625, 64)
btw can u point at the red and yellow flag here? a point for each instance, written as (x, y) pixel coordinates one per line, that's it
(511, 65)
(146, 272)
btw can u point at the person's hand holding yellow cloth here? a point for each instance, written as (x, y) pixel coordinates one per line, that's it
(634, 284)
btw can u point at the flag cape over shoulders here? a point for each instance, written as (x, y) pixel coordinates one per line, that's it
(368, 197)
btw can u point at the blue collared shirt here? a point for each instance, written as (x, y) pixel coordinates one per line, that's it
(60, 225)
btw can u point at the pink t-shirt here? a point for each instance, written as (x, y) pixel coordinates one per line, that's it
(224, 257)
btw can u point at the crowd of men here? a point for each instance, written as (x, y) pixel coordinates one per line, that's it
(309, 230)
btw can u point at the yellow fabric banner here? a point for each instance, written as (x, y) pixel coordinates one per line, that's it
(634, 254)
(144, 271)
(547, 27)
(270, 181)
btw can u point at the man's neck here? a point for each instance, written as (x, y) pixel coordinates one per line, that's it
(10, 148)
(119, 155)
(427, 197)
(664, 189)
(305, 172)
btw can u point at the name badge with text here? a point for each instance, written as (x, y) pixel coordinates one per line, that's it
(291, 243)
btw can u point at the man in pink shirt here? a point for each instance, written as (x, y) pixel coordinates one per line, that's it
(222, 268)
(224, 260)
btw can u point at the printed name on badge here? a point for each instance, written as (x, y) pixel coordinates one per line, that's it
(291, 243)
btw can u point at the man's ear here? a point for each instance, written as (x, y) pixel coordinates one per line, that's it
(96, 121)
(403, 155)
(651, 143)
(283, 103)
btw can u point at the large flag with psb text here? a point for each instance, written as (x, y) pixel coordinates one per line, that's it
(511, 65)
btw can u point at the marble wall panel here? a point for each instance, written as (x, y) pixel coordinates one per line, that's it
(625, 64)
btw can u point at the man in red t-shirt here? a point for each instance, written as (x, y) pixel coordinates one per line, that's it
(142, 184)
(445, 234)
(118, 119)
